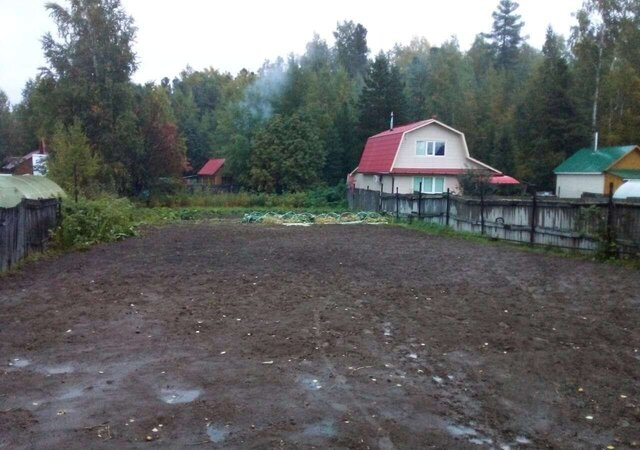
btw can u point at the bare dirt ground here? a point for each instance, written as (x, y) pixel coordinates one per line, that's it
(254, 336)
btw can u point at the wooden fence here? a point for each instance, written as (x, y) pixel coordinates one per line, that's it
(24, 229)
(580, 225)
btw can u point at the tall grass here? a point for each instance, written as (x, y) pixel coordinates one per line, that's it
(333, 197)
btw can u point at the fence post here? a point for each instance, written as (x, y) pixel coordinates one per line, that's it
(610, 235)
(482, 208)
(59, 218)
(448, 207)
(534, 210)
(366, 203)
(420, 201)
(397, 204)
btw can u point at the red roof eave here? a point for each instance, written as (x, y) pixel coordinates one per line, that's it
(503, 179)
(423, 171)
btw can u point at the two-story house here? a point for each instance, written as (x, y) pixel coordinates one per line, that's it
(427, 152)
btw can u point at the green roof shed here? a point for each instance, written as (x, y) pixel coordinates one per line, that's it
(586, 160)
(15, 188)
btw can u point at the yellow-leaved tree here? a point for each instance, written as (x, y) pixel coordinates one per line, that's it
(73, 164)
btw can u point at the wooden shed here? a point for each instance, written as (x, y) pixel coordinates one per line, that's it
(211, 172)
(29, 209)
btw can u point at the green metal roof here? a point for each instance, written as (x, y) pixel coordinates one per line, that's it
(587, 161)
(627, 174)
(15, 188)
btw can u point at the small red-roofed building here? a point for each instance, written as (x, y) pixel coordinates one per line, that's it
(211, 172)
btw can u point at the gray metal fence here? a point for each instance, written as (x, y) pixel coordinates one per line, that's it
(581, 225)
(25, 229)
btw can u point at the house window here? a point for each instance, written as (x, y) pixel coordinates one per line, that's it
(430, 185)
(430, 148)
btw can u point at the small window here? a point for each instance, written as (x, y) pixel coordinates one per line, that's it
(427, 185)
(430, 185)
(439, 185)
(430, 148)
(416, 184)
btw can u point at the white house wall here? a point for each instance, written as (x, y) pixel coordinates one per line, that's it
(574, 185)
(404, 183)
(39, 164)
(454, 155)
(371, 182)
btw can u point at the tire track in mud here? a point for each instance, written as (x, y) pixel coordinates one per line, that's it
(384, 440)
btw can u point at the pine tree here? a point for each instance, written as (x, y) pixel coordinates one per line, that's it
(6, 127)
(383, 93)
(505, 36)
(548, 125)
(351, 48)
(448, 84)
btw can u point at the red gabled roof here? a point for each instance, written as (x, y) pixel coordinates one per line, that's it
(380, 150)
(211, 167)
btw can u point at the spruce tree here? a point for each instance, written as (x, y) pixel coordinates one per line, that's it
(382, 94)
(351, 48)
(548, 125)
(505, 36)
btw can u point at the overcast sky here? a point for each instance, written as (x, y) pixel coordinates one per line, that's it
(230, 35)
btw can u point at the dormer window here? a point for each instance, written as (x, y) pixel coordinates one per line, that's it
(430, 148)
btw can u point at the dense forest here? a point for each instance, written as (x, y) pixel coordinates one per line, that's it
(302, 121)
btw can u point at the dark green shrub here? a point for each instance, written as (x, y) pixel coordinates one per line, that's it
(89, 222)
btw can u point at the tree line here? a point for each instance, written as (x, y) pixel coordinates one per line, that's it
(302, 121)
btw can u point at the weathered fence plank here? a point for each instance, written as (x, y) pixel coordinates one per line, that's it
(25, 229)
(579, 225)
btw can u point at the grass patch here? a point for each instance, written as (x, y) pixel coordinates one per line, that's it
(443, 230)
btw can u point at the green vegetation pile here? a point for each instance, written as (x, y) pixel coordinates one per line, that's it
(305, 218)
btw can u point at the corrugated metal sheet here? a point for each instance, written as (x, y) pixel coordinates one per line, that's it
(381, 149)
(211, 167)
(626, 174)
(586, 160)
(15, 188)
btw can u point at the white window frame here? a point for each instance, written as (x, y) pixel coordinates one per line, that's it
(433, 184)
(432, 144)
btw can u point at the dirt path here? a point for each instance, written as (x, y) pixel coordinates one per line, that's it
(251, 336)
